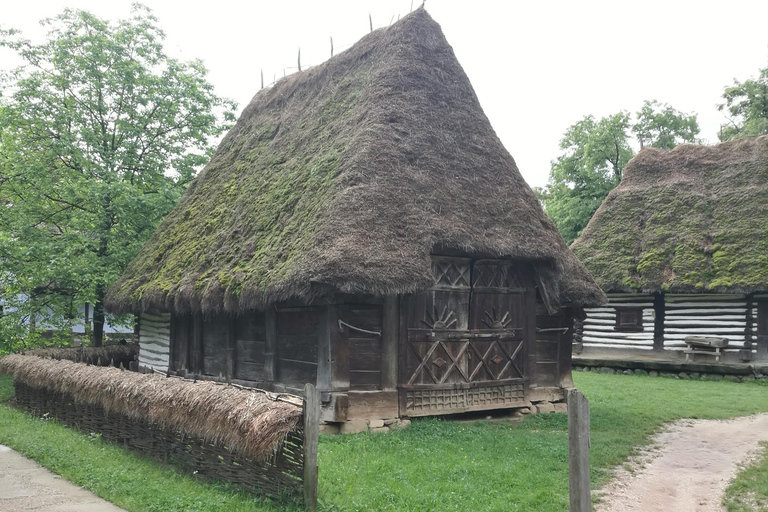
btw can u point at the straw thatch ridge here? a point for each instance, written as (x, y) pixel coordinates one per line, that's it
(246, 421)
(345, 177)
(106, 355)
(693, 219)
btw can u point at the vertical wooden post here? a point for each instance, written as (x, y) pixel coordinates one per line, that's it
(311, 431)
(231, 348)
(197, 344)
(270, 348)
(578, 451)
(389, 334)
(658, 321)
(325, 335)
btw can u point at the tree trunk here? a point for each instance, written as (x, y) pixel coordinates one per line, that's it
(98, 317)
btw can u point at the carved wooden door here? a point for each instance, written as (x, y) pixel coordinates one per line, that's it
(463, 346)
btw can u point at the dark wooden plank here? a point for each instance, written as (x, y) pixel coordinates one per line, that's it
(298, 321)
(762, 317)
(215, 345)
(246, 370)
(250, 351)
(364, 380)
(301, 348)
(270, 347)
(196, 355)
(295, 372)
(658, 321)
(445, 306)
(389, 337)
(252, 326)
(231, 347)
(364, 354)
(325, 333)
(339, 351)
(547, 350)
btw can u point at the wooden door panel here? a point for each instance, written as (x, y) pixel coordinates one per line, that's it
(361, 325)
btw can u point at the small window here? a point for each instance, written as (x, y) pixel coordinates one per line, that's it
(629, 319)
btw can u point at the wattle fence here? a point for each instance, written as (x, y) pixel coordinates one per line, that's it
(285, 470)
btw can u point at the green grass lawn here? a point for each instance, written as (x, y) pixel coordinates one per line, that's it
(432, 465)
(749, 491)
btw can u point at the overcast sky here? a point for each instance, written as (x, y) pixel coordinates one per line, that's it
(537, 67)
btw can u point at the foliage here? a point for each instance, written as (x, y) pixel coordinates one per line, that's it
(746, 106)
(432, 465)
(101, 132)
(661, 126)
(595, 153)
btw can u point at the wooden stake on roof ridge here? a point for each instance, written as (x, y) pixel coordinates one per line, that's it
(411, 6)
(391, 20)
(331, 46)
(370, 21)
(262, 78)
(299, 58)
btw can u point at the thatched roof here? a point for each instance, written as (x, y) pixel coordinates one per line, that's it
(344, 178)
(246, 421)
(693, 219)
(107, 355)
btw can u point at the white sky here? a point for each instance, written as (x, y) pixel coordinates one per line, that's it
(537, 67)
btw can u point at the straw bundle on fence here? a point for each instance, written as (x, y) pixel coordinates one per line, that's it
(105, 355)
(248, 422)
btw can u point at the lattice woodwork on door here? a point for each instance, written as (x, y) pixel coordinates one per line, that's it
(495, 274)
(424, 402)
(450, 361)
(451, 272)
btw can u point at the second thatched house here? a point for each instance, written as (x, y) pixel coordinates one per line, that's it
(362, 228)
(681, 248)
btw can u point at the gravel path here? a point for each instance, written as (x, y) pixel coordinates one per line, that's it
(26, 485)
(687, 468)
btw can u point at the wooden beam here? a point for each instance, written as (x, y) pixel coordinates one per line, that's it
(578, 452)
(339, 344)
(658, 322)
(270, 348)
(389, 336)
(196, 356)
(325, 339)
(231, 348)
(311, 432)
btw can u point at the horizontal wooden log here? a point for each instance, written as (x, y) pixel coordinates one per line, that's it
(705, 323)
(600, 345)
(593, 339)
(703, 297)
(734, 305)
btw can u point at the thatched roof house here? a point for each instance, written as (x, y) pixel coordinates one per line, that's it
(352, 177)
(687, 224)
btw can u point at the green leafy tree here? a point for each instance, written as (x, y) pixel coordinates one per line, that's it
(100, 133)
(746, 107)
(595, 153)
(661, 126)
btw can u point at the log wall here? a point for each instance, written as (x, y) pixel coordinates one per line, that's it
(155, 340)
(706, 315)
(599, 329)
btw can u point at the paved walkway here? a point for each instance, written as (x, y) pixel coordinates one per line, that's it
(26, 485)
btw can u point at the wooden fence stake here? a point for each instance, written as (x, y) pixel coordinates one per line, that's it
(311, 431)
(578, 451)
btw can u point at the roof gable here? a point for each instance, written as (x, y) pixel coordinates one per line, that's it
(345, 177)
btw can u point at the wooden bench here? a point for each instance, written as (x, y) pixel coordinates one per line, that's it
(706, 345)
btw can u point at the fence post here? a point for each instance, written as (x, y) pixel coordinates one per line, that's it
(311, 431)
(578, 451)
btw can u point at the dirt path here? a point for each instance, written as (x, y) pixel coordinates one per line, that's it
(688, 467)
(26, 485)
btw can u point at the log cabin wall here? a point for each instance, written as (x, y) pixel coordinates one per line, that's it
(706, 315)
(155, 341)
(626, 322)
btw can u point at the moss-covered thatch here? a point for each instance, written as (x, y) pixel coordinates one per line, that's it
(345, 177)
(246, 421)
(693, 219)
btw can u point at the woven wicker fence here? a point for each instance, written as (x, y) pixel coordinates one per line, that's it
(288, 473)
